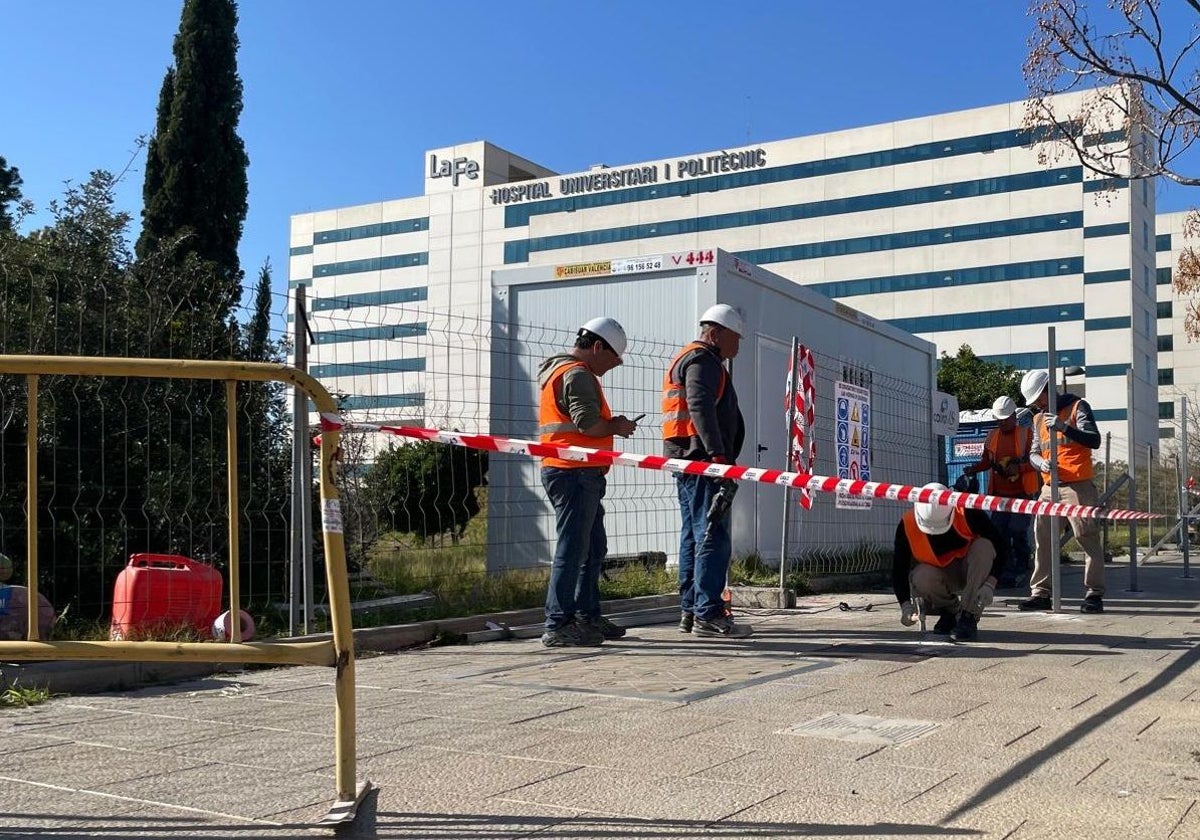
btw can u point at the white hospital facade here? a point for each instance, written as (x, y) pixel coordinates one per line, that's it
(949, 227)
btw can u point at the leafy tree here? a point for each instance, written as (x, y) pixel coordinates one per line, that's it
(426, 488)
(1136, 68)
(976, 382)
(10, 193)
(196, 186)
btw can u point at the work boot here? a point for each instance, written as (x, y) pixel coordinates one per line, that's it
(1037, 602)
(686, 620)
(966, 629)
(604, 627)
(722, 627)
(573, 634)
(1093, 603)
(947, 619)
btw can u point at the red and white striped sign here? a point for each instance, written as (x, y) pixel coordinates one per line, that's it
(802, 407)
(814, 483)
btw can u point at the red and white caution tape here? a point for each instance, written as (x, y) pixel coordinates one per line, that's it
(814, 483)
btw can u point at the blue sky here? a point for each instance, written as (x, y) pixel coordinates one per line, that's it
(342, 99)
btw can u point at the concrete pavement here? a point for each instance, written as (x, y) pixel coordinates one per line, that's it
(825, 723)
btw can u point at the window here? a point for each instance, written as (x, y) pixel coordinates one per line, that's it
(367, 368)
(951, 277)
(1162, 242)
(1146, 235)
(1106, 230)
(991, 318)
(1166, 411)
(1163, 277)
(1166, 342)
(1164, 309)
(373, 264)
(1166, 376)
(1114, 275)
(1118, 322)
(1146, 279)
(324, 237)
(371, 333)
(384, 298)
(518, 215)
(1149, 323)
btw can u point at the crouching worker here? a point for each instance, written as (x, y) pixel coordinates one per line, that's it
(952, 556)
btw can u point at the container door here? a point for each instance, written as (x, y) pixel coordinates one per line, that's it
(771, 368)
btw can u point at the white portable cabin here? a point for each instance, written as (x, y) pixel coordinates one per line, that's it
(658, 299)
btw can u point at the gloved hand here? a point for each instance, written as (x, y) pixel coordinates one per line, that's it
(984, 597)
(908, 614)
(962, 483)
(1057, 424)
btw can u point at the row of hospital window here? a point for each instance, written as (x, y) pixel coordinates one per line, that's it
(518, 215)
(945, 278)
(518, 251)
(382, 298)
(812, 210)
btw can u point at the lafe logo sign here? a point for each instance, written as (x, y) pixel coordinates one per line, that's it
(453, 168)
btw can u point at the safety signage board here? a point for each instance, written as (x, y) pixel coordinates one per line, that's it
(852, 429)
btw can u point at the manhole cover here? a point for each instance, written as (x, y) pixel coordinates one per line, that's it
(864, 728)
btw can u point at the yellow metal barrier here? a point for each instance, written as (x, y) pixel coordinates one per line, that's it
(338, 652)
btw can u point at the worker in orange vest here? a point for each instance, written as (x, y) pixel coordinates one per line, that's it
(573, 411)
(1078, 436)
(702, 422)
(1010, 475)
(949, 557)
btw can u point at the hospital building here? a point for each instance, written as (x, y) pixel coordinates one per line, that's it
(958, 228)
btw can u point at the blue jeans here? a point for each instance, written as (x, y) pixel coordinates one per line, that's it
(582, 544)
(1014, 529)
(703, 564)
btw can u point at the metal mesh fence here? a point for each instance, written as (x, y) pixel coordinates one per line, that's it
(128, 466)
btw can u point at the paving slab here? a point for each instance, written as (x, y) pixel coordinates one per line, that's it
(1050, 726)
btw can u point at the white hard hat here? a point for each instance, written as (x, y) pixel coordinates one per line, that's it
(1003, 408)
(726, 316)
(608, 329)
(933, 519)
(1032, 385)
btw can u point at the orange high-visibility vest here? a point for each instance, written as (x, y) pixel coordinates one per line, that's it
(677, 419)
(1074, 459)
(1001, 446)
(922, 551)
(556, 427)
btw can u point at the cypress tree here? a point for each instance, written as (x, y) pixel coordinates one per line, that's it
(196, 186)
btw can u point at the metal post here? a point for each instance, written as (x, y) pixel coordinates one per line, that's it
(1055, 533)
(1150, 493)
(235, 563)
(1181, 488)
(1107, 474)
(1187, 471)
(794, 366)
(33, 602)
(1129, 413)
(298, 608)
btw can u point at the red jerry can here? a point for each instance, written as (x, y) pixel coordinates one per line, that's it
(162, 589)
